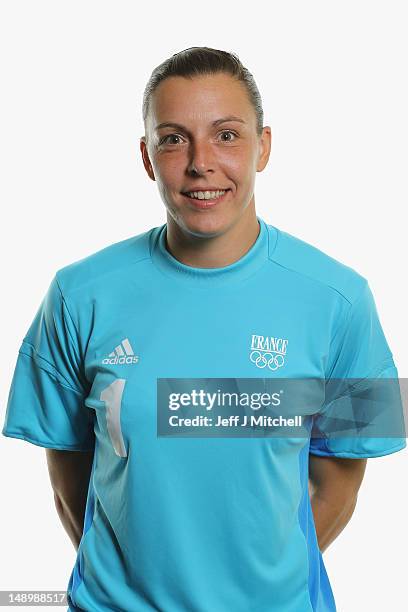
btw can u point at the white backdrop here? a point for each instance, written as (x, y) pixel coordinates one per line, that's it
(333, 81)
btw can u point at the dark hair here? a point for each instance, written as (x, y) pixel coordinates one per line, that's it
(196, 61)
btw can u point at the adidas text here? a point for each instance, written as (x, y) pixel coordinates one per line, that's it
(120, 360)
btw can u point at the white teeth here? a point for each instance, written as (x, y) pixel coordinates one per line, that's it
(205, 195)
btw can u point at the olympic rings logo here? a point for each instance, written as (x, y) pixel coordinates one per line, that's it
(271, 360)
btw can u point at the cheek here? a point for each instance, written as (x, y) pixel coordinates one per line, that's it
(170, 170)
(238, 163)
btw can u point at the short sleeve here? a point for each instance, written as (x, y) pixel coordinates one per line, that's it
(363, 398)
(46, 398)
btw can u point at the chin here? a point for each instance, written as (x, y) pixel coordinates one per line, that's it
(206, 224)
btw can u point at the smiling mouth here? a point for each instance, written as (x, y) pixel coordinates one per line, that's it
(212, 194)
(206, 199)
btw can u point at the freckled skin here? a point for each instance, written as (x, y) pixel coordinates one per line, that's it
(226, 156)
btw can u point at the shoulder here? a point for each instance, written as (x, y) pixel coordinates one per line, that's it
(315, 266)
(114, 259)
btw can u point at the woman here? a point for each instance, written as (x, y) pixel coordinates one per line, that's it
(189, 508)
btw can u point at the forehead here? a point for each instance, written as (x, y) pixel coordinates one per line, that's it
(202, 97)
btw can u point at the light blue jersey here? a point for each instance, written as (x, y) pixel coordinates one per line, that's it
(182, 523)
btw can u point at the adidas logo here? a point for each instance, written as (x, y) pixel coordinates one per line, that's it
(122, 354)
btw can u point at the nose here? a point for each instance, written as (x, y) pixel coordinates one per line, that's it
(201, 158)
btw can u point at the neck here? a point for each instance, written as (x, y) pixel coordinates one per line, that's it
(214, 251)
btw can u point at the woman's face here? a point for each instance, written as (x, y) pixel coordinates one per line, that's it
(210, 126)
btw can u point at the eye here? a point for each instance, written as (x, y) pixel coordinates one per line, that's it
(164, 140)
(229, 132)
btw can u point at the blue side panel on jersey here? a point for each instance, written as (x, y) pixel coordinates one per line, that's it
(77, 572)
(320, 592)
(304, 522)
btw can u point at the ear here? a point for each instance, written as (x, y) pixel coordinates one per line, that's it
(265, 144)
(146, 159)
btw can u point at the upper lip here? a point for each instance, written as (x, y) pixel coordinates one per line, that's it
(206, 188)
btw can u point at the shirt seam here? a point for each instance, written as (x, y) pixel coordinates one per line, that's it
(50, 373)
(69, 313)
(383, 366)
(304, 274)
(206, 283)
(73, 343)
(115, 271)
(346, 324)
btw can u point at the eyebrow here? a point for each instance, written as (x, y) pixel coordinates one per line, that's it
(178, 126)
